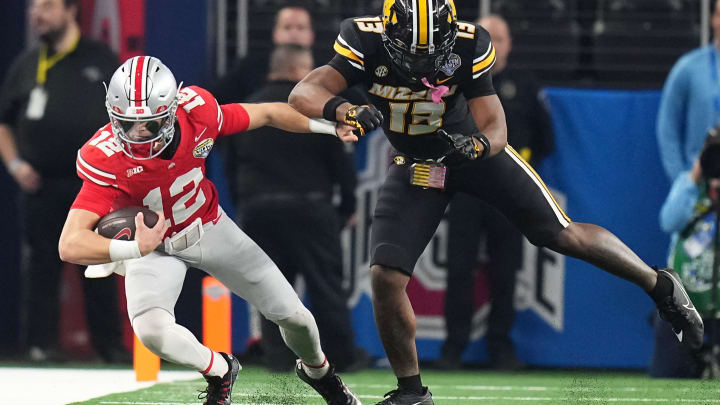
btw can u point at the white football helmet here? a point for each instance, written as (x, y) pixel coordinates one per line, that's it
(141, 100)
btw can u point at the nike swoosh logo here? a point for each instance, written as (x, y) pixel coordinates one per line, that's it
(441, 82)
(688, 304)
(201, 134)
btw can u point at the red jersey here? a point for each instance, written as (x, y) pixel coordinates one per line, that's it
(177, 186)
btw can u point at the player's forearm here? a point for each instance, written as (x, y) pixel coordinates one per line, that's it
(84, 247)
(309, 99)
(497, 135)
(283, 116)
(489, 118)
(316, 89)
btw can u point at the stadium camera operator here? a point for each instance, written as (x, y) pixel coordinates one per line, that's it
(690, 214)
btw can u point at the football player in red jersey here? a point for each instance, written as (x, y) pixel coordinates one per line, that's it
(152, 153)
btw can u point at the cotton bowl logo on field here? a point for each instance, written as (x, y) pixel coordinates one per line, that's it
(202, 150)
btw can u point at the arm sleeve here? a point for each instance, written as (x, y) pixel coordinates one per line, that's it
(234, 119)
(480, 81)
(349, 57)
(671, 120)
(677, 210)
(229, 118)
(95, 198)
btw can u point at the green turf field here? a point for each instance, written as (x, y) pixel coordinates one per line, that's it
(255, 386)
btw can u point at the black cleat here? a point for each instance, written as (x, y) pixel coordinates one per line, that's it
(330, 387)
(403, 397)
(679, 311)
(219, 389)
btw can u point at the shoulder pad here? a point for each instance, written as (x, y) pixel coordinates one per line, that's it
(97, 158)
(484, 52)
(358, 38)
(467, 30)
(200, 106)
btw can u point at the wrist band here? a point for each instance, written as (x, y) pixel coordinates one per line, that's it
(318, 126)
(331, 106)
(123, 250)
(486, 145)
(14, 165)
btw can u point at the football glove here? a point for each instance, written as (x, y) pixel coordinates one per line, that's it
(468, 147)
(364, 117)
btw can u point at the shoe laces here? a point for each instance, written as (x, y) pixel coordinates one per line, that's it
(217, 391)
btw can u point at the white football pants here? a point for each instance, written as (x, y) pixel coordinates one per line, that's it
(153, 283)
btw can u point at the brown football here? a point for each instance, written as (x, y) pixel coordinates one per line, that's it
(120, 224)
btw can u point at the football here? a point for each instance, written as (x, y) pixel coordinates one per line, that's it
(120, 224)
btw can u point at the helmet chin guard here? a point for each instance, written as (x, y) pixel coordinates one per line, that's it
(141, 101)
(419, 36)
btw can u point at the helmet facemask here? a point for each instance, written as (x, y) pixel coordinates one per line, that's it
(142, 137)
(142, 101)
(416, 56)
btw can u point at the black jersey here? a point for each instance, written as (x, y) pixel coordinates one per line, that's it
(411, 117)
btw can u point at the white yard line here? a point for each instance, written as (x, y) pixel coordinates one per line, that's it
(60, 386)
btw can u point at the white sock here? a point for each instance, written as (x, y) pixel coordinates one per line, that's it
(316, 371)
(218, 366)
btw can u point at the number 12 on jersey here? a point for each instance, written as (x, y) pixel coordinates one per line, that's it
(426, 117)
(180, 213)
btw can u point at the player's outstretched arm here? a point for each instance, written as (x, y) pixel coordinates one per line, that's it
(80, 244)
(490, 119)
(283, 116)
(316, 89)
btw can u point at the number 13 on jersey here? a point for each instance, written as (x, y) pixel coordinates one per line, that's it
(425, 117)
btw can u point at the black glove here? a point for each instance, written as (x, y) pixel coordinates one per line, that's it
(364, 117)
(469, 147)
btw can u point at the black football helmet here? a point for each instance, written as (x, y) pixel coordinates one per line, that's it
(419, 35)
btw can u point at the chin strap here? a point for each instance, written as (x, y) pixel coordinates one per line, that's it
(435, 91)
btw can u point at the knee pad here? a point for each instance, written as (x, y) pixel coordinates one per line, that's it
(150, 326)
(301, 319)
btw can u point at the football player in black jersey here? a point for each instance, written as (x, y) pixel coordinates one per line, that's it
(428, 76)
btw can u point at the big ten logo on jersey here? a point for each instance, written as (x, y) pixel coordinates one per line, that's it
(186, 193)
(369, 24)
(107, 143)
(425, 116)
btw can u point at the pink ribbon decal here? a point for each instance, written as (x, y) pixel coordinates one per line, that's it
(435, 91)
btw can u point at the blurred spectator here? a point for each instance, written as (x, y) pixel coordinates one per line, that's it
(48, 108)
(293, 25)
(690, 214)
(690, 104)
(530, 132)
(285, 187)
